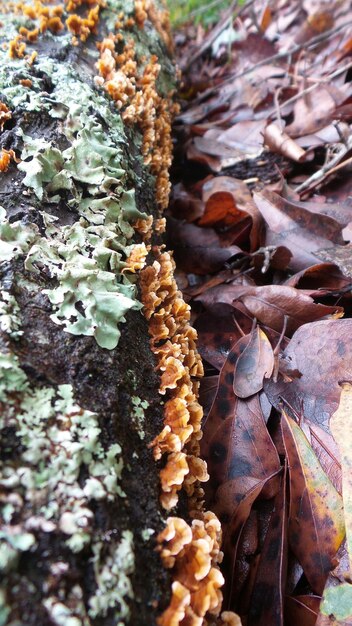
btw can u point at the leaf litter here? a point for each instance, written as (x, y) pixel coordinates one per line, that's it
(260, 222)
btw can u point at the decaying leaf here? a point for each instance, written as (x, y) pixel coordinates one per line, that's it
(255, 363)
(341, 428)
(322, 354)
(316, 520)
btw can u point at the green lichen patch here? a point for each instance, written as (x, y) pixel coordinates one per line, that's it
(15, 239)
(138, 414)
(47, 494)
(58, 438)
(113, 573)
(10, 322)
(92, 296)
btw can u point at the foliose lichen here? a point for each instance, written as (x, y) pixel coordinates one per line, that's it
(139, 407)
(46, 491)
(58, 438)
(113, 578)
(92, 295)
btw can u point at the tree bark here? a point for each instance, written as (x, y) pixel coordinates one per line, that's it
(79, 488)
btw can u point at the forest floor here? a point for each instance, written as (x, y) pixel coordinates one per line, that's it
(260, 220)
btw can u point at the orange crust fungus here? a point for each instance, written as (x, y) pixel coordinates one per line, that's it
(5, 114)
(49, 18)
(160, 18)
(5, 159)
(17, 48)
(136, 260)
(193, 554)
(139, 101)
(173, 343)
(82, 27)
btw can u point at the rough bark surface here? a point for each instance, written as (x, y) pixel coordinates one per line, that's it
(75, 549)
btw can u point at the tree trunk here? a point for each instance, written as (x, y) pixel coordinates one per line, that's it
(85, 144)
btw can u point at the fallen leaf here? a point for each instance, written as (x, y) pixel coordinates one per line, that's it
(255, 363)
(279, 141)
(322, 353)
(316, 521)
(229, 200)
(272, 304)
(302, 227)
(302, 610)
(198, 250)
(313, 110)
(341, 428)
(236, 443)
(267, 600)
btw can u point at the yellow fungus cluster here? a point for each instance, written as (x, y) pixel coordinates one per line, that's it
(136, 259)
(17, 48)
(51, 19)
(138, 98)
(193, 553)
(173, 343)
(5, 159)
(82, 27)
(5, 114)
(160, 18)
(73, 5)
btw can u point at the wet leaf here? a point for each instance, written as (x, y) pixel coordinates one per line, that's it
(316, 521)
(302, 610)
(267, 600)
(229, 201)
(198, 250)
(302, 227)
(236, 444)
(255, 363)
(279, 141)
(341, 428)
(272, 304)
(322, 353)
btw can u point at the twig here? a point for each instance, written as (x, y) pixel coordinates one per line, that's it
(327, 169)
(312, 43)
(327, 80)
(275, 57)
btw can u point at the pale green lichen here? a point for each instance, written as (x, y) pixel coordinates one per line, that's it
(147, 533)
(46, 491)
(138, 414)
(113, 576)
(10, 312)
(61, 465)
(13, 541)
(93, 296)
(71, 614)
(59, 438)
(4, 609)
(15, 239)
